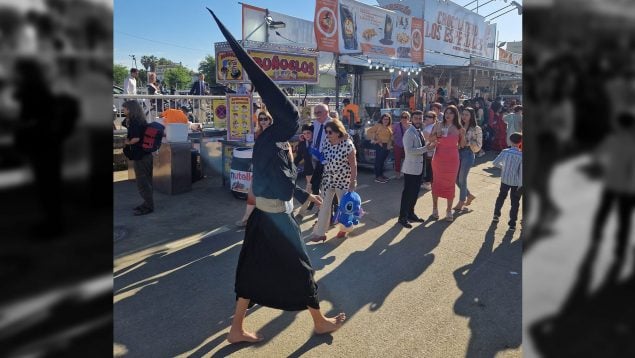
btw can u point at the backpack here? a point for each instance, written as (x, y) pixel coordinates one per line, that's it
(152, 137)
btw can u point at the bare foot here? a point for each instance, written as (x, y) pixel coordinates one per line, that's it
(244, 336)
(329, 325)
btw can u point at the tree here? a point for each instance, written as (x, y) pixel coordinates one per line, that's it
(149, 62)
(119, 74)
(208, 68)
(179, 77)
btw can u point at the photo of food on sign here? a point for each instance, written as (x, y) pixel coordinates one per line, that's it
(403, 52)
(387, 40)
(327, 23)
(403, 38)
(403, 23)
(368, 34)
(349, 28)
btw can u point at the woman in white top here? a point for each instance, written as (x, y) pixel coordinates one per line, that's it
(340, 174)
(474, 141)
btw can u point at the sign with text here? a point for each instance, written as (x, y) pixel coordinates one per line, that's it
(239, 121)
(348, 26)
(284, 66)
(510, 57)
(454, 30)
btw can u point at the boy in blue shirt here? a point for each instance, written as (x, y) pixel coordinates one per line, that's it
(510, 160)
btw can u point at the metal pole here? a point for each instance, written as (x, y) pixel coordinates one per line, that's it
(337, 82)
(266, 27)
(473, 81)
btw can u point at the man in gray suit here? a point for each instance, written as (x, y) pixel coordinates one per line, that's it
(412, 169)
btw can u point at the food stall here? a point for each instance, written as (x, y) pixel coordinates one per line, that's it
(284, 64)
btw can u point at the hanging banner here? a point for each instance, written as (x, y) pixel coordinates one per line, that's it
(239, 122)
(510, 57)
(348, 26)
(284, 64)
(454, 30)
(326, 27)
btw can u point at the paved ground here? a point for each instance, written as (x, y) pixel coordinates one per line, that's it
(437, 290)
(557, 285)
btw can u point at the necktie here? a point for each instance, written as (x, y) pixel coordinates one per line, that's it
(201, 89)
(423, 142)
(319, 137)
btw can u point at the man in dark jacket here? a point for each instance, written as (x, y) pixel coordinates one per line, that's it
(200, 88)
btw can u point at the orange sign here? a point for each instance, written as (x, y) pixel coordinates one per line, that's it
(325, 24)
(416, 53)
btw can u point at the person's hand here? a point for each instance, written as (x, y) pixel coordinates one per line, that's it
(432, 144)
(315, 199)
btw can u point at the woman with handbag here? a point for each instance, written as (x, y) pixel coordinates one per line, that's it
(474, 141)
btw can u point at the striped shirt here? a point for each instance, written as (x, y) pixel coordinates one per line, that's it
(510, 160)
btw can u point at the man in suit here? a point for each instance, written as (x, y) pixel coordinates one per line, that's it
(412, 169)
(200, 88)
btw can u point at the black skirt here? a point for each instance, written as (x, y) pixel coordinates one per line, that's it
(274, 269)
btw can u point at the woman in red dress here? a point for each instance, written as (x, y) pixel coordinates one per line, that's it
(448, 136)
(500, 128)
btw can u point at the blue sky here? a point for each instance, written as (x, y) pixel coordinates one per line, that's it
(183, 31)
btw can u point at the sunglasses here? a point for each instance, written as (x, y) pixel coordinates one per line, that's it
(329, 131)
(262, 119)
(429, 116)
(404, 117)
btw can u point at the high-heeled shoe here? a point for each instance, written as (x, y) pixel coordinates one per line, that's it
(470, 197)
(340, 235)
(459, 206)
(316, 238)
(435, 214)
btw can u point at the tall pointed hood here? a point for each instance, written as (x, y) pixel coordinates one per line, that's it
(278, 105)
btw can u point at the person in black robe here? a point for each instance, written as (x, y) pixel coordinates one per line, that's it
(274, 269)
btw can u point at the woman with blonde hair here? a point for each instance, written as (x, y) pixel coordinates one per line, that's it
(340, 174)
(381, 136)
(154, 89)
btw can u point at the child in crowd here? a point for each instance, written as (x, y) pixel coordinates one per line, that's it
(510, 160)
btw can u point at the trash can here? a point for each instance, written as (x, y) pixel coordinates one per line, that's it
(241, 171)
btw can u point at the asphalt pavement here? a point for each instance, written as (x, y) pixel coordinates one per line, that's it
(439, 289)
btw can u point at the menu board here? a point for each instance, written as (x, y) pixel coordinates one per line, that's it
(239, 121)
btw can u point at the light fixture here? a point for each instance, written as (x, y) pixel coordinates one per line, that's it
(399, 71)
(369, 61)
(383, 68)
(391, 70)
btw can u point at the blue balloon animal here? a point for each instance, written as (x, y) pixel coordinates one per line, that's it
(350, 211)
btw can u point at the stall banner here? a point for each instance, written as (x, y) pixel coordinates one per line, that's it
(284, 65)
(510, 57)
(220, 109)
(228, 68)
(239, 122)
(287, 68)
(297, 31)
(454, 30)
(398, 83)
(348, 26)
